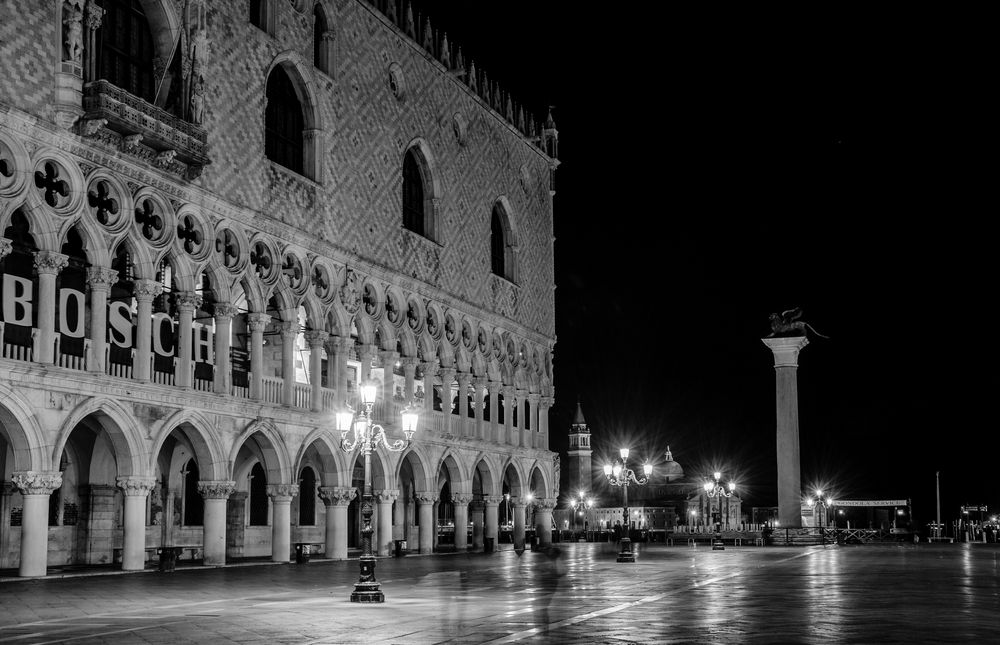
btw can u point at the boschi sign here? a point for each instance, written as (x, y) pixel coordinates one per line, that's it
(18, 309)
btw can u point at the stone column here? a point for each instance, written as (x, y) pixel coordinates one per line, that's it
(519, 509)
(388, 392)
(447, 376)
(428, 528)
(533, 436)
(35, 489)
(494, 429)
(409, 372)
(257, 324)
(144, 292)
(429, 368)
(509, 437)
(6, 491)
(223, 375)
(365, 355)
(316, 338)
(48, 264)
(543, 520)
(135, 490)
(786, 363)
(543, 422)
(383, 523)
(337, 500)
(343, 349)
(281, 520)
(236, 516)
(522, 419)
(216, 495)
(464, 379)
(479, 384)
(461, 505)
(289, 330)
(491, 527)
(187, 302)
(477, 510)
(100, 280)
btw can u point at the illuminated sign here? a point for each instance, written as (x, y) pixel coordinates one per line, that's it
(871, 502)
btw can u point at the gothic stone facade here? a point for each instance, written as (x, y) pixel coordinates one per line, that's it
(183, 309)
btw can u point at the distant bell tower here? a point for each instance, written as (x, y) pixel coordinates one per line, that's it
(580, 475)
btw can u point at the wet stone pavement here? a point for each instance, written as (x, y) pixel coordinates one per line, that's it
(906, 593)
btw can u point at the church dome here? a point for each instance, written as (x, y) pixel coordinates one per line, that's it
(671, 469)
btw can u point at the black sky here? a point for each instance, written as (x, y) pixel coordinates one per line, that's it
(717, 167)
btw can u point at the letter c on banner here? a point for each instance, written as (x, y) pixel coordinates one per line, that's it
(158, 320)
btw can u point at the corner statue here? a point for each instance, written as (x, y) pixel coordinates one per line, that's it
(788, 323)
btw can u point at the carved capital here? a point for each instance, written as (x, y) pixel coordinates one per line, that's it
(426, 498)
(130, 142)
(225, 311)
(289, 330)
(258, 322)
(50, 262)
(187, 300)
(461, 500)
(216, 489)
(447, 375)
(282, 492)
(136, 486)
(337, 496)
(164, 159)
(386, 496)
(316, 337)
(5, 247)
(463, 379)
(31, 482)
(90, 127)
(146, 290)
(93, 16)
(546, 504)
(429, 368)
(101, 278)
(492, 501)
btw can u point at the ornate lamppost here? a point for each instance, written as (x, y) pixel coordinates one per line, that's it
(717, 490)
(821, 505)
(368, 437)
(578, 505)
(621, 475)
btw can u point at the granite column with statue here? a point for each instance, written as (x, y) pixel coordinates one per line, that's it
(786, 362)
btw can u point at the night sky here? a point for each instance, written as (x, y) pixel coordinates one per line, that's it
(718, 167)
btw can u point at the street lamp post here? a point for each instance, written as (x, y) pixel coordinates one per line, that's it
(717, 490)
(368, 437)
(621, 475)
(822, 504)
(578, 505)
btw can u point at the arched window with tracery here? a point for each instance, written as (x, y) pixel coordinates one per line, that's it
(125, 49)
(413, 194)
(283, 122)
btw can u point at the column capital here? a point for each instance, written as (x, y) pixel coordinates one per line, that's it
(409, 362)
(101, 278)
(32, 482)
(336, 495)
(463, 378)
(5, 247)
(461, 499)
(146, 289)
(545, 504)
(507, 390)
(224, 310)
(492, 500)
(386, 496)
(187, 300)
(315, 338)
(479, 382)
(282, 492)
(786, 349)
(288, 329)
(136, 486)
(216, 489)
(546, 402)
(258, 321)
(426, 498)
(388, 357)
(494, 386)
(429, 368)
(447, 374)
(50, 262)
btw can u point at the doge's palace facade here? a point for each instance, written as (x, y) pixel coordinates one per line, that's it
(219, 219)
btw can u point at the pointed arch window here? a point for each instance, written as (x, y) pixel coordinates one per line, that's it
(413, 194)
(258, 496)
(322, 44)
(125, 49)
(283, 122)
(307, 497)
(501, 244)
(194, 505)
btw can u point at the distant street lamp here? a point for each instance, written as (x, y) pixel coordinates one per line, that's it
(717, 490)
(822, 504)
(368, 437)
(578, 505)
(621, 475)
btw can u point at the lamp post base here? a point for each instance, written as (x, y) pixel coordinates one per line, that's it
(625, 553)
(367, 592)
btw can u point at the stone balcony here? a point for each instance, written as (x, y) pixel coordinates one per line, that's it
(173, 139)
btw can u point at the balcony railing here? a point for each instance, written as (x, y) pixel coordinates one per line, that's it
(160, 130)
